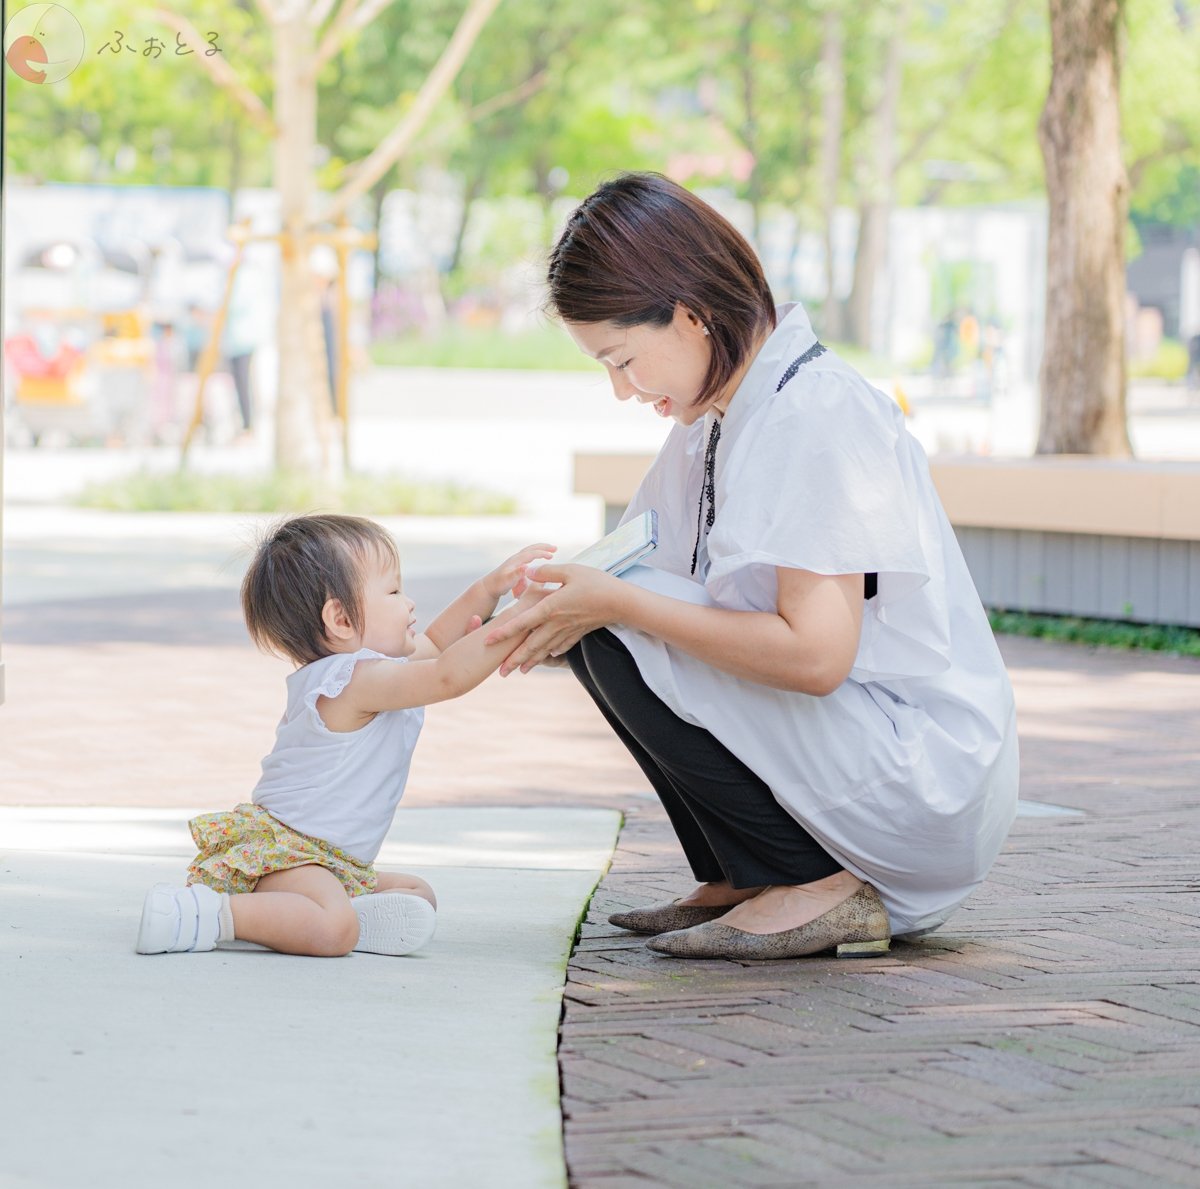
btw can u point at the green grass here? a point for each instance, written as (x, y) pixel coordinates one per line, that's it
(542, 349)
(864, 361)
(367, 495)
(1169, 362)
(1111, 633)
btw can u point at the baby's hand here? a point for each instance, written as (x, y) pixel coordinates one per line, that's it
(513, 574)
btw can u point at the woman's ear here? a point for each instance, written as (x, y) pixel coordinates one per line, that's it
(336, 621)
(694, 322)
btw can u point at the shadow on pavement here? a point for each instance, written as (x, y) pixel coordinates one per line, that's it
(198, 616)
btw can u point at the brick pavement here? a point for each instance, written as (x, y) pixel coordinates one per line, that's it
(161, 700)
(1049, 1035)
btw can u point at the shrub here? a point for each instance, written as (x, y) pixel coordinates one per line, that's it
(279, 491)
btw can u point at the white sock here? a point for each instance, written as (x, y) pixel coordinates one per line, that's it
(225, 918)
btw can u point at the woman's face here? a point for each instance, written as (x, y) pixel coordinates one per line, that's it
(663, 366)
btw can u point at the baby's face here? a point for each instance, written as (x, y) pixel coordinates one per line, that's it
(389, 620)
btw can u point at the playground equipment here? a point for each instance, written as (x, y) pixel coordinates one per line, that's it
(80, 356)
(80, 374)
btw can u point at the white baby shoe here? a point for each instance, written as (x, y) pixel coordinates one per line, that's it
(393, 922)
(179, 920)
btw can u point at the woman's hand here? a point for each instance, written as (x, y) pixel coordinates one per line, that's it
(513, 574)
(587, 599)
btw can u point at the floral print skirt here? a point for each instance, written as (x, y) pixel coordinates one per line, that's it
(239, 847)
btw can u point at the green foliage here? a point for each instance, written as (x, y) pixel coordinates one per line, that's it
(369, 495)
(862, 361)
(367, 88)
(133, 118)
(1171, 196)
(575, 107)
(1179, 641)
(622, 86)
(1160, 105)
(975, 79)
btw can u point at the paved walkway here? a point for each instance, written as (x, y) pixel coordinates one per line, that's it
(1049, 1035)
(437, 1069)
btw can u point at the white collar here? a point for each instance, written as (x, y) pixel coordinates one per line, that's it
(792, 336)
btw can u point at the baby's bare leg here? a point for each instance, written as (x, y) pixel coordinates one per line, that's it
(301, 911)
(399, 881)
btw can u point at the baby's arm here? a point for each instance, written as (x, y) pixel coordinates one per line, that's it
(379, 685)
(478, 601)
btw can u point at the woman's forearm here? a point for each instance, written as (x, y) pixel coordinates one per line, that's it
(758, 646)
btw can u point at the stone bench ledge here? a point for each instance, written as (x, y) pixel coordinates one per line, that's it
(1054, 494)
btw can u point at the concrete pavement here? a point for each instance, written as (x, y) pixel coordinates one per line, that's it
(435, 1069)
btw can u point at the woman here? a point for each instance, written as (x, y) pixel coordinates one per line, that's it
(803, 669)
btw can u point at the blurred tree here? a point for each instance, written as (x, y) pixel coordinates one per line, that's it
(876, 181)
(537, 108)
(543, 107)
(1160, 109)
(944, 85)
(742, 87)
(1083, 361)
(835, 103)
(550, 104)
(305, 35)
(362, 89)
(833, 115)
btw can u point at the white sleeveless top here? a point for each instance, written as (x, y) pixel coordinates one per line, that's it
(339, 786)
(907, 773)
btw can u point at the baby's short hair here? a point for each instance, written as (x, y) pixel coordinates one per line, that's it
(301, 564)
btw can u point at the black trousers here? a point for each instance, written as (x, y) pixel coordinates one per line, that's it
(729, 824)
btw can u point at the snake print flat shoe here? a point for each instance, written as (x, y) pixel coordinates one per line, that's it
(664, 918)
(856, 928)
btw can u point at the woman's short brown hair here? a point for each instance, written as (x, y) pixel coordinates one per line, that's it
(301, 564)
(639, 245)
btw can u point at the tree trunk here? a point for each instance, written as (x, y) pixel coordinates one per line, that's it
(470, 196)
(379, 193)
(875, 213)
(299, 417)
(749, 130)
(1083, 363)
(870, 254)
(833, 109)
(235, 160)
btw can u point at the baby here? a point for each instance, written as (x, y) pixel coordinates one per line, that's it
(292, 868)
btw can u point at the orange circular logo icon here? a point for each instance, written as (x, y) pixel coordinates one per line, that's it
(43, 43)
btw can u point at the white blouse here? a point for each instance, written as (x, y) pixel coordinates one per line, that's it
(907, 773)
